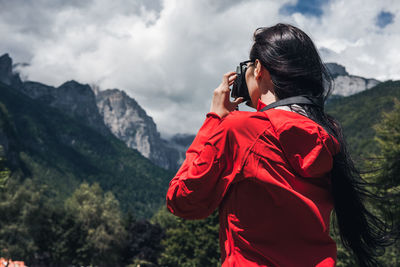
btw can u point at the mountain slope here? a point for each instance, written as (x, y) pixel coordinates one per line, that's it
(358, 113)
(60, 151)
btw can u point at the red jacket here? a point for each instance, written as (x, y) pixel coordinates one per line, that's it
(268, 172)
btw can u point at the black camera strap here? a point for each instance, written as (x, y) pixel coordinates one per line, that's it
(307, 100)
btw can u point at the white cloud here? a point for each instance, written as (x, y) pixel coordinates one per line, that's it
(170, 56)
(349, 29)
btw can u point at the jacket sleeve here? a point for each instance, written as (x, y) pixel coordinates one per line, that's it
(199, 185)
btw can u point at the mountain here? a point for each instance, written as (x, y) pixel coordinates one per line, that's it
(108, 112)
(346, 84)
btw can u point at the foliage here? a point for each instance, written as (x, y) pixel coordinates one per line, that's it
(19, 204)
(4, 170)
(388, 139)
(143, 244)
(101, 220)
(89, 230)
(164, 218)
(33, 229)
(387, 164)
(192, 243)
(358, 113)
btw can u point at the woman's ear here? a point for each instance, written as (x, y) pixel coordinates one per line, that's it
(257, 69)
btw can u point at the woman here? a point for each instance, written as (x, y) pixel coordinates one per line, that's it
(276, 174)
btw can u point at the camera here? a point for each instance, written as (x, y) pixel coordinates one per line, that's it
(239, 88)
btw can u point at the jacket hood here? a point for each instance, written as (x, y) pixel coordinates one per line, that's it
(307, 146)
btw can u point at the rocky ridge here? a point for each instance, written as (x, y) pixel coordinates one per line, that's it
(346, 84)
(73, 98)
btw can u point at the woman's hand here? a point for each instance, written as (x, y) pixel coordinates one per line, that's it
(221, 104)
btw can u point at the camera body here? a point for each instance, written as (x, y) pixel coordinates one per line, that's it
(239, 88)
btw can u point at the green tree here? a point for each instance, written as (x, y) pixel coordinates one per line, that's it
(19, 204)
(387, 165)
(4, 171)
(100, 217)
(190, 243)
(388, 138)
(143, 243)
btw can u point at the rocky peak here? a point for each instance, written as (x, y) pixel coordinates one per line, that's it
(78, 99)
(6, 72)
(128, 121)
(5, 65)
(336, 69)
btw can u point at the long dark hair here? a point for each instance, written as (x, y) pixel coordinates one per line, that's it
(296, 69)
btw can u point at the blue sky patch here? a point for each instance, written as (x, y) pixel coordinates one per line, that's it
(384, 18)
(305, 7)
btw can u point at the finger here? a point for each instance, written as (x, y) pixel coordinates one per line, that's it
(232, 77)
(237, 101)
(225, 79)
(231, 81)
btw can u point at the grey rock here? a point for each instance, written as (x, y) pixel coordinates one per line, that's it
(130, 123)
(350, 85)
(345, 84)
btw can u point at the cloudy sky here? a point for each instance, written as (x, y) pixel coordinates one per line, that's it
(170, 54)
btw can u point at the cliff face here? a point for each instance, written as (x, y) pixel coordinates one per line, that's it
(130, 123)
(346, 84)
